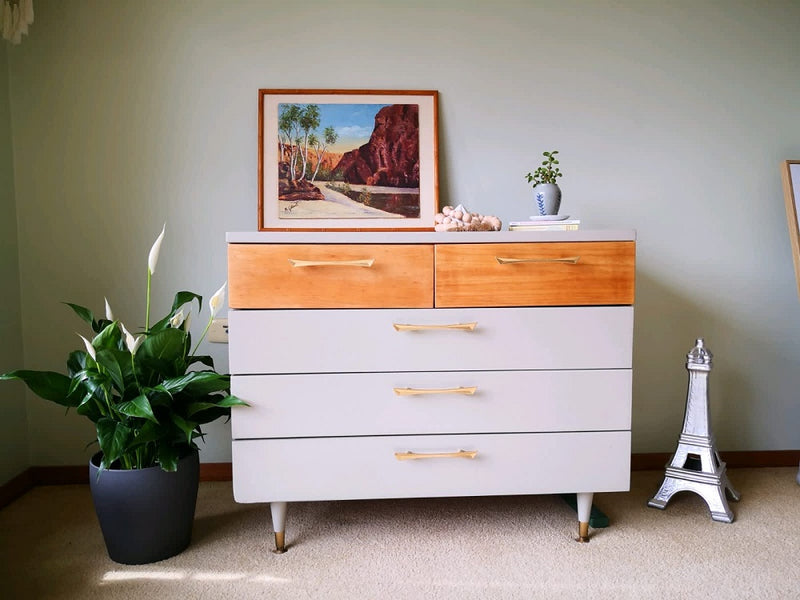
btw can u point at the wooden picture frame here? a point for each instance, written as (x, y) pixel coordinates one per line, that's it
(347, 160)
(790, 171)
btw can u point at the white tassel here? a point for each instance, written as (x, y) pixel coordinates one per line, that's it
(15, 26)
(27, 12)
(16, 15)
(7, 32)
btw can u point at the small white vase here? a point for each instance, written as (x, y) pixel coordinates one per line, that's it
(548, 198)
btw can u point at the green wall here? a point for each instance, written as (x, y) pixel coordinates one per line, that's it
(671, 118)
(14, 455)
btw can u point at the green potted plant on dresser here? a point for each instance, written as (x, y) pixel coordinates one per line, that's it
(148, 396)
(545, 187)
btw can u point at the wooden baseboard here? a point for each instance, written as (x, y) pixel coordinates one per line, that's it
(79, 475)
(654, 461)
(746, 459)
(13, 489)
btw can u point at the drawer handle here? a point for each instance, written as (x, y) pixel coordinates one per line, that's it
(466, 391)
(572, 260)
(459, 326)
(419, 455)
(366, 262)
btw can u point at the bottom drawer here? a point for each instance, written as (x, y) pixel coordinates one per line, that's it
(302, 469)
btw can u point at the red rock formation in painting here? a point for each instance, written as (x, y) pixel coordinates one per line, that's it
(295, 189)
(391, 157)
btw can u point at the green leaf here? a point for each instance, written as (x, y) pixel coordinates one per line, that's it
(76, 362)
(110, 362)
(198, 383)
(164, 345)
(225, 403)
(176, 384)
(196, 407)
(162, 355)
(206, 360)
(48, 385)
(89, 408)
(232, 401)
(212, 414)
(147, 433)
(168, 456)
(113, 438)
(186, 426)
(138, 407)
(82, 312)
(109, 338)
(159, 397)
(182, 298)
(94, 384)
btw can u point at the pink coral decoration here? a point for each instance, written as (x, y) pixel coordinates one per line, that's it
(460, 219)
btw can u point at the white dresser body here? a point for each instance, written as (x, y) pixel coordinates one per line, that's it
(492, 387)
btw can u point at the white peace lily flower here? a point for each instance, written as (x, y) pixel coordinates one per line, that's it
(89, 347)
(187, 321)
(109, 314)
(217, 299)
(152, 260)
(131, 342)
(136, 343)
(177, 319)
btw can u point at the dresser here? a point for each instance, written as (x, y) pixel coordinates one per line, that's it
(422, 364)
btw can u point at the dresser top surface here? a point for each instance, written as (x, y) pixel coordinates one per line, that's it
(426, 237)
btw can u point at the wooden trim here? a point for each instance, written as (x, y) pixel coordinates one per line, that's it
(79, 475)
(14, 488)
(744, 459)
(216, 471)
(654, 461)
(60, 475)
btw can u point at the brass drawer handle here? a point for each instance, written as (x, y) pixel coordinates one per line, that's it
(460, 326)
(366, 262)
(466, 391)
(418, 455)
(572, 260)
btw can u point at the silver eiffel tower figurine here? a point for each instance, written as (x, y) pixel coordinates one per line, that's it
(696, 466)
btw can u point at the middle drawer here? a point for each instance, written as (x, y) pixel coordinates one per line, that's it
(428, 403)
(481, 339)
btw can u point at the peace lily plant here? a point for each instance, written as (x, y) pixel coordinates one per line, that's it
(147, 394)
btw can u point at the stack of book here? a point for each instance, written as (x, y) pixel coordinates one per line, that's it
(554, 224)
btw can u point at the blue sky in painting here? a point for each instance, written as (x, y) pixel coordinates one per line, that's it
(353, 123)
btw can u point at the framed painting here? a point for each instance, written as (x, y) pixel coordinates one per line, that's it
(790, 172)
(347, 160)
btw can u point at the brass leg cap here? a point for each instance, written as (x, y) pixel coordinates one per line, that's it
(583, 533)
(280, 542)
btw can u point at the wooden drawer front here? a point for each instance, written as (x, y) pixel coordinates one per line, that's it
(264, 276)
(535, 274)
(329, 341)
(366, 467)
(426, 403)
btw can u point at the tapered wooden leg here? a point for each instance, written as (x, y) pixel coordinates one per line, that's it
(584, 501)
(278, 510)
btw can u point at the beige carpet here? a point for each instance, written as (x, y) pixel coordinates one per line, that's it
(504, 547)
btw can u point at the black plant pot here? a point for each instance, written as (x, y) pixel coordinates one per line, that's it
(146, 515)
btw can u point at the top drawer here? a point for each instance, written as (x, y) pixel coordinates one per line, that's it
(330, 276)
(535, 274)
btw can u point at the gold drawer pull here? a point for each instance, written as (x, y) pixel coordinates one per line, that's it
(466, 391)
(460, 326)
(572, 260)
(418, 455)
(366, 262)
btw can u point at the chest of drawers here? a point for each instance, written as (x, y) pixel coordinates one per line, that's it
(426, 364)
